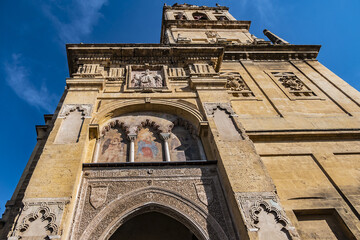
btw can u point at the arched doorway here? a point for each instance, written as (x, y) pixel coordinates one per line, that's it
(152, 226)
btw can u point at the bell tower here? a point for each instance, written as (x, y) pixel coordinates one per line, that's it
(212, 134)
(190, 24)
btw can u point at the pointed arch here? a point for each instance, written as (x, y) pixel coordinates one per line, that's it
(116, 213)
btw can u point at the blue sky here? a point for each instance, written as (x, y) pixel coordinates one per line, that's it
(33, 62)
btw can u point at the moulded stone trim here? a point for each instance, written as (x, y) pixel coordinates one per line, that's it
(86, 110)
(153, 195)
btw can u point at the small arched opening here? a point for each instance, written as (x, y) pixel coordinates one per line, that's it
(200, 16)
(153, 226)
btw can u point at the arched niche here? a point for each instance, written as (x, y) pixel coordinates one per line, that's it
(148, 137)
(153, 226)
(113, 143)
(200, 16)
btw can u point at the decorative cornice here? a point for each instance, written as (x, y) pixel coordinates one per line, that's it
(303, 135)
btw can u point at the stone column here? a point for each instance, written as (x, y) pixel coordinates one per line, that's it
(165, 137)
(274, 39)
(132, 138)
(97, 150)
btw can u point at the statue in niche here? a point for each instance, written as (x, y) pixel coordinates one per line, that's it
(114, 147)
(147, 79)
(148, 147)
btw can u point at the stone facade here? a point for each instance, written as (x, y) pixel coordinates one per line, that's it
(229, 135)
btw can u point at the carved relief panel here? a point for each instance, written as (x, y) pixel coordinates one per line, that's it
(263, 213)
(39, 219)
(236, 84)
(147, 79)
(292, 85)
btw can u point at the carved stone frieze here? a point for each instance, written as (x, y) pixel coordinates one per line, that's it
(190, 194)
(86, 109)
(39, 219)
(211, 107)
(263, 213)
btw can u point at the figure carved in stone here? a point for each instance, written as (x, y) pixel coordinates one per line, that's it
(147, 79)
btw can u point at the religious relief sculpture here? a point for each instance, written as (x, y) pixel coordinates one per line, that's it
(146, 79)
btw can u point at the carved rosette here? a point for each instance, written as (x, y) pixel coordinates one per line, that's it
(47, 210)
(86, 110)
(253, 203)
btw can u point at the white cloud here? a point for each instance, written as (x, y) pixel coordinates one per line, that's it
(82, 16)
(265, 9)
(17, 77)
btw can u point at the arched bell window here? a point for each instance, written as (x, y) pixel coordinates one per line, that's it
(222, 18)
(180, 16)
(200, 16)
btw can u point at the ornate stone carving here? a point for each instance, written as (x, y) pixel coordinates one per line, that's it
(289, 82)
(89, 71)
(254, 206)
(86, 109)
(211, 107)
(39, 218)
(146, 79)
(212, 34)
(234, 81)
(202, 69)
(116, 74)
(177, 72)
(190, 194)
(98, 195)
